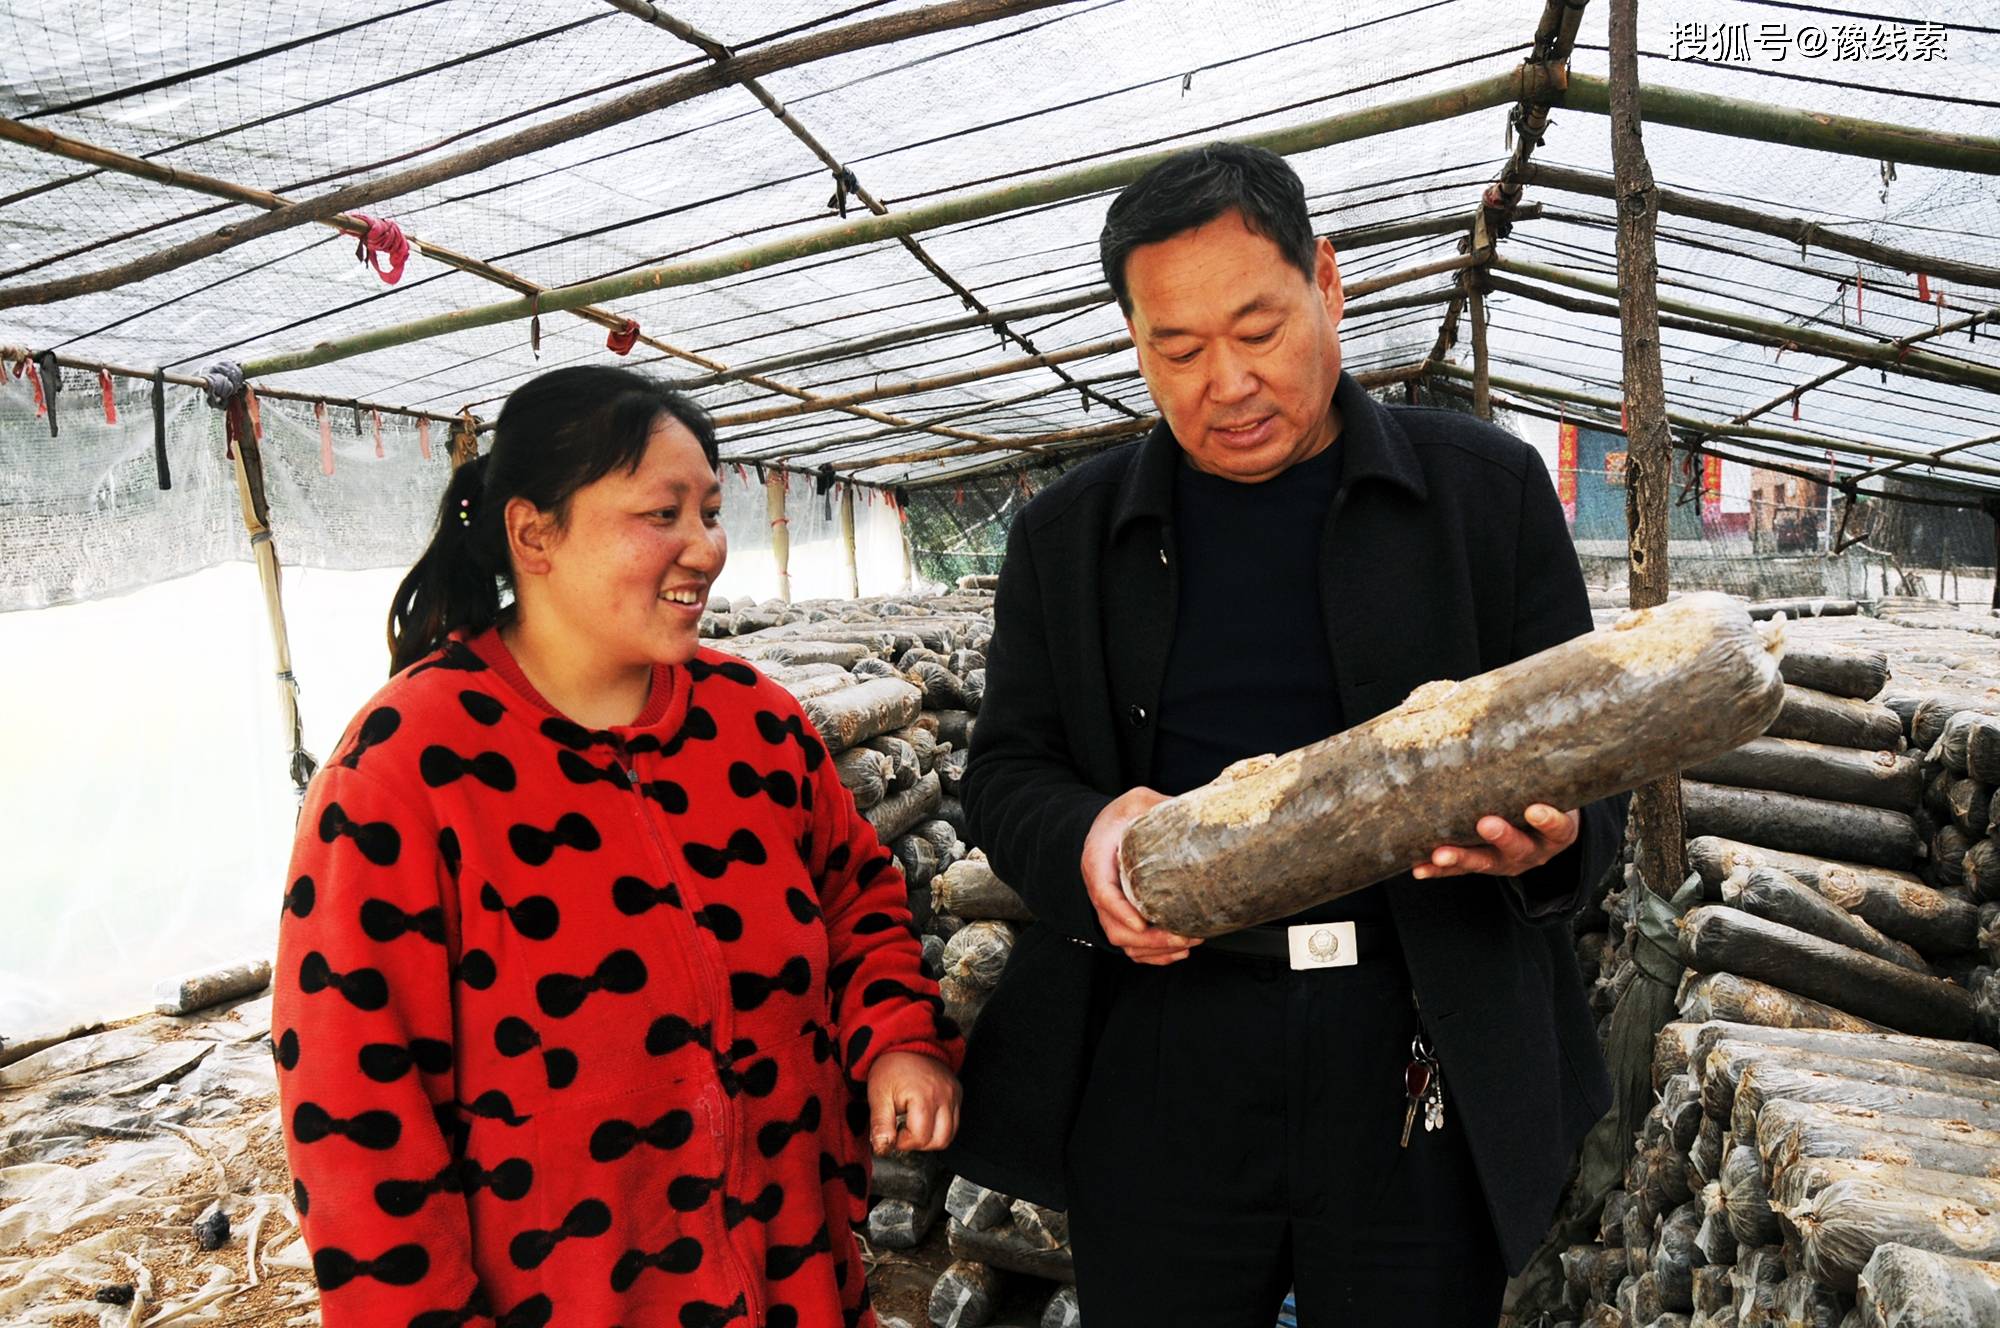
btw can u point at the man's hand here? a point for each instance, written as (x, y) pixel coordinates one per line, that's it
(912, 1103)
(1508, 851)
(1142, 942)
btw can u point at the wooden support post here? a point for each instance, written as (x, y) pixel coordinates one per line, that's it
(847, 541)
(1662, 850)
(249, 463)
(909, 559)
(775, 488)
(1482, 390)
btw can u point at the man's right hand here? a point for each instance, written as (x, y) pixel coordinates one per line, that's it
(1142, 942)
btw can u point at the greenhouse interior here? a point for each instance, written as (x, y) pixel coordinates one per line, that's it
(268, 275)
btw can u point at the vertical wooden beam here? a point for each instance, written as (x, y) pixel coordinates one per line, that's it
(847, 541)
(781, 531)
(249, 463)
(909, 560)
(1482, 386)
(1656, 808)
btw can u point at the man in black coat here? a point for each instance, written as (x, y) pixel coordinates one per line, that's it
(1280, 559)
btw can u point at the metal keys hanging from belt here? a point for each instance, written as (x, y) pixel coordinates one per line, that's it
(1423, 1083)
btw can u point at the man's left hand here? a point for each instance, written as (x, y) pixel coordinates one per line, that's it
(1508, 851)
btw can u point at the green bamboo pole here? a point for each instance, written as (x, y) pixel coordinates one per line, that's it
(1724, 429)
(1794, 126)
(1486, 93)
(1886, 355)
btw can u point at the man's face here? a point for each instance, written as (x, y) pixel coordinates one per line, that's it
(1241, 351)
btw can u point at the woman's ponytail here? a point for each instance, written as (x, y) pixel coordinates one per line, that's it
(456, 582)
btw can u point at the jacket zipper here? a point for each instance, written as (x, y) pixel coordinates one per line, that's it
(714, 1100)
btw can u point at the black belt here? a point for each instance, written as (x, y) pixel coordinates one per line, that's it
(1373, 942)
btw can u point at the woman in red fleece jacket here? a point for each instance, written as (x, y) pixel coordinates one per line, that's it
(586, 948)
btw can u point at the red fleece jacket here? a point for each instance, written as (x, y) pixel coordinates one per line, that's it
(570, 1022)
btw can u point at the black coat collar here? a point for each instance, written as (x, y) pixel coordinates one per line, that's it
(1374, 446)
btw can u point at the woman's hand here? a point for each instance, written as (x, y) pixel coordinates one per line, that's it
(912, 1103)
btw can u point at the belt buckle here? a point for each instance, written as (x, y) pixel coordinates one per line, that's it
(1322, 945)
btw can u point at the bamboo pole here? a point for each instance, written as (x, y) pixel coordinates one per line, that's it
(604, 115)
(847, 541)
(263, 394)
(1882, 354)
(1795, 229)
(776, 488)
(1793, 126)
(1496, 90)
(1747, 434)
(1661, 852)
(248, 462)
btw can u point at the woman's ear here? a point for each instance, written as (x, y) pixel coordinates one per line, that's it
(531, 537)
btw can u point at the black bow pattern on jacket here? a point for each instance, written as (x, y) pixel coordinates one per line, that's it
(764, 1208)
(774, 1135)
(299, 899)
(852, 1174)
(484, 709)
(730, 670)
(701, 1314)
(514, 1036)
(450, 853)
(823, 1043)
(364, 988)
(689, 1194)
(286, 1050)
(743, 846)
(403, 1265)
(803, 906)
(378, 728)
(750, 990)
(477, 970)
(758, 1080)
(568, 733)
(615, 1138)
(386, 1062)
(378, 841)
(671, 797)
(495, 1105)
(476, 1307)
(633, 896)
(683, 1256)
(375, 1130)
(560, 994)
(724, 921)
(382, 921)
(531, 1249)
(581, 770)
(746, 781)
(781, 1261)
(535, 846)
(669, 1033)
(441, 766)
(510, 1181)
(699, 726)
(535, 917)
(775, 728)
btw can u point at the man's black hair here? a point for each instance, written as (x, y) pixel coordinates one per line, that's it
(1193, 188)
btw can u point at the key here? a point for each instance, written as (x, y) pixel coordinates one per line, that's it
(1434, 1105)
(1417, 1080)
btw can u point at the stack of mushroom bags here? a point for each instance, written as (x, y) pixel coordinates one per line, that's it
(1824, 1151)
